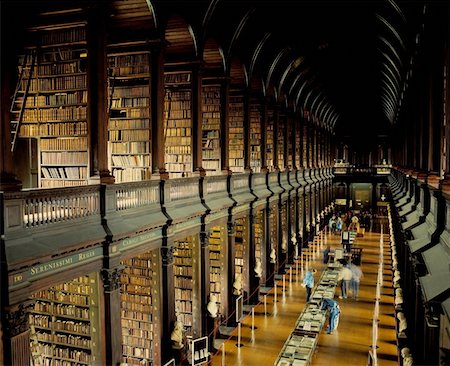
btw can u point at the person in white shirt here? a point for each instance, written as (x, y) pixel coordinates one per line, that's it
(345, 276)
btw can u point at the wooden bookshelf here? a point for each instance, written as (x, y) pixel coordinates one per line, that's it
(255, 137)
(298, 147)
(56, 105)
(138, 297)
(273, 223)
(211, 113)
(64, 322)
(178, 123)
(270, 139)
(258, 227)
(185, 282)
(241, 244)
(281, 141)
(129, 128)
(284, 226)
(290, 151)
(217, 273)
(236, 133)
(305, 147)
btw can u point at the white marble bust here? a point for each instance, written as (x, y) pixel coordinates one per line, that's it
(177, 335)
(212, 307)
(258, 268)
(273, 256)
(237, 285)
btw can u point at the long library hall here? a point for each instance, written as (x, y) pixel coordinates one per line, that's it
(219, 182)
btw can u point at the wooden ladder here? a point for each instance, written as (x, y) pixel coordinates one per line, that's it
(20, 96)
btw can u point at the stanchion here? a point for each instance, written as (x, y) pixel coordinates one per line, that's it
(239, 344)
(296, 271)
(290, 275)
(265, 304)
(284, 283)
(253, 320)
(275, 294)
(223, 354)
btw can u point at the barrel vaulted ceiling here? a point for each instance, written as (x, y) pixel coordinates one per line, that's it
(346, 64)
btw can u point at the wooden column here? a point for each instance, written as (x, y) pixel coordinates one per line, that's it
(196, 106)
(267, 245)
(113, 328)
(168, 294)
(224, 129)
(247, 132)
(8, 180)
(98, 93)
(231, 227)
(157, 112)
(16, 334)
(207, 324)
(253, 280)
(263, 135)
(292, 123)
(286, 142)
(275, 137)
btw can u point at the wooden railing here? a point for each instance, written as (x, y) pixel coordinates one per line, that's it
(186, 188)
(136, 194)
(215, 184)
(37, 208)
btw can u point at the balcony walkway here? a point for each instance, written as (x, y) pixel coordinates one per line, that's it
(349, 345)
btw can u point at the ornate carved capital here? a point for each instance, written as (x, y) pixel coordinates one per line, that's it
(204, 238)
(111, 278)
(17, 319)
(167, 255)
(231, 226)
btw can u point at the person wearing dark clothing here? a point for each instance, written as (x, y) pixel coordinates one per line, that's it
(326, 254)
(333, 318)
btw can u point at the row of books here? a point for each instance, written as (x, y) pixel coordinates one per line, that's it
(131, 160)
(130, 147)
(61, 158)
(54, 129)
(66, 35)
(50, 84)
(128, 124)
(184, 148)
(132, 91)
(74, 144)
(129, 102)
(57, 99)
(129, 135)
(53, 114)
(171, 131)
(131, 175)
(64, 173)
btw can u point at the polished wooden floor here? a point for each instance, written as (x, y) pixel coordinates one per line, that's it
(349, 345)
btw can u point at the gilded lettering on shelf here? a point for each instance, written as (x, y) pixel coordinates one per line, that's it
(51, 266)
(18, 278)
(138, 239)
(87, 255)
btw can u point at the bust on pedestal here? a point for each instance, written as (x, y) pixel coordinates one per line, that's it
(258, 268)
(237, 285)
(273, 256)
(177, 336)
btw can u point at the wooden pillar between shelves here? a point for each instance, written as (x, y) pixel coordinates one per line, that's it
(292, 125)
(286, 145)
(16, 335)
(231, 227)
(98, 94)
(269, 267)
(112, 315)
(247, 132)
(282, 253)
(8, 180)
(157, 112)
(205, 285)
(253, 280)
(168, 296)
(275, 137)
(196, 106)
(263, 136)
(224, 127)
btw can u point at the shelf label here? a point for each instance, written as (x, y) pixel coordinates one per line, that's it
(140, 239)
(55, 265)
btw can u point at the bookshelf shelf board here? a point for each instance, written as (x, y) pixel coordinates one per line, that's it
(136, 320)
(57, 106)
(65, 165)
(57, 301)
(64, 44)
(72, 346)
(55, 91)
(72, 360)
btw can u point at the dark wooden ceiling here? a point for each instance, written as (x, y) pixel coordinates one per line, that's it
(346, 62)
